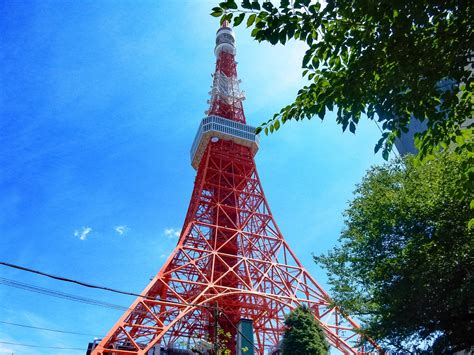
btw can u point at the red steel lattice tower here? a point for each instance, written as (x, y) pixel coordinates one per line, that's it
(230, 253)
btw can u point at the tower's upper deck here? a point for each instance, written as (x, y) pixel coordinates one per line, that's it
(225, 117)
(213, 128)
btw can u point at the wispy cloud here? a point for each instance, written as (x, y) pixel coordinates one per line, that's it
(83, 233)
(121, 229)
(171, 233)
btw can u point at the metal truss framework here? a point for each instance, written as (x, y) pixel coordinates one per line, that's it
(226, 97)
(230, 252)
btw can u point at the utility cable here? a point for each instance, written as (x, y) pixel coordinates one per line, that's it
(47, 329)
(63, 295)
(81, 283)
(40, 346)
(60, 278)
(85, 284)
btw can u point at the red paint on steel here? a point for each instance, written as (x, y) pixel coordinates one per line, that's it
(230, 252)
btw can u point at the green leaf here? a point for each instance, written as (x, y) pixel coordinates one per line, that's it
(267, 5)
(352, 127)
(260, 23)
(232, 4)
(217, 11)
(276, 125)
(251, 20)
(291, 30)
(246, 4)
(255, 32)
(314, 9)
(273, 38)
(238, 19)
(322, 112)
(226, 17)
(228, 4)
(255, 5)
(282, 37)
(262, 15)
(306, 59)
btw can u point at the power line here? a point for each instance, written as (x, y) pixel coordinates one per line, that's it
(88, 300)
(40, 346)
(47, 329)
(57, 294)
(85, 284)
(65, 279)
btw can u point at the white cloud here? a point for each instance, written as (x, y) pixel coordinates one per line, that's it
(162, 256)
(171, 233)
(82, 234)
(4, 349)
(121, 229)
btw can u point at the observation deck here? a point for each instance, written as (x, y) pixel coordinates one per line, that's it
(215, 127)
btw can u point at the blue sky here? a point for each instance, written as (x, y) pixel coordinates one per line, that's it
(99, 104)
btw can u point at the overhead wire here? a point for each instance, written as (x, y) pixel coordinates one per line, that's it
(42, 290)
(40, 346)
(65, 279)
(47, 329)
(88, 285)
(58, 294)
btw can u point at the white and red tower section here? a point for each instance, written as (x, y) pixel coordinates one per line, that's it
(230, 252)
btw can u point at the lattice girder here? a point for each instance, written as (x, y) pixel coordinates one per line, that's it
(231, 252)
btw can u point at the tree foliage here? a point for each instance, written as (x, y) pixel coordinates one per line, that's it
(405, 263)
(303, 335)
(390, 60)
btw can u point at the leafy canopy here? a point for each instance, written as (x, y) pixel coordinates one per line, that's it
(303, 335)
(405, 261)
(390, 60)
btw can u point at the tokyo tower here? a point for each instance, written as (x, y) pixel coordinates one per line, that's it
(231, 265)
